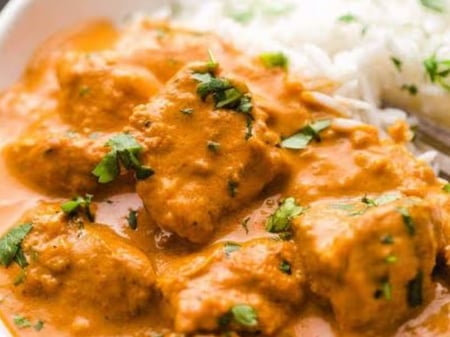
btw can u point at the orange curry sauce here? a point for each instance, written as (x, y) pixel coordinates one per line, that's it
(237, 233)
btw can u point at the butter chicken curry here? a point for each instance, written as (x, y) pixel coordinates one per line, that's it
(157, 181)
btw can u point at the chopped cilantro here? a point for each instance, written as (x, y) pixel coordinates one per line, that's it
(415, 297)
(397, 63)
(387, 239)
(381, 200)
(280, 220)
(274, 60)
(446, 188)
(39, 325)
(407, 220)
(434, 5)
(230, 247)
(84, 91)
(212, 63)
(232, 188)
(21, 322)
(72, 206)
(285, 267)
(124, 150)
(213, 146)
(10, 245)
(245, 315)
(410, 88)
(244, 224)
(19, 278)
(391, 259)
(301, 139)
(438, 71)
(132, 219)
(347, 18)
(386, 289)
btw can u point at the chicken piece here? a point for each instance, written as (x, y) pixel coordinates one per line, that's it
(84, 264)
(99, 93)
(206, 162)
(373, 263)
(262, 274)
(164, 50)
(351, 160)
(55, 160)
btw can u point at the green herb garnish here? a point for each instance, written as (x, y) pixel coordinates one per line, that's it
(397, 63)
(391, 259)
(274, 60)
(21, 322)
(415, 296)
(386, 289)
(438, 71)
(301, 139)
(244, 315)
(387, 239)
(232, 188)
(132, 219)
(84, 91)
(280, 220)
(446, 188)
(10, 246)
(435, 5)
(230, 247)
(244, 224)
(39, 325)
(347, 18)
(407, 220)
(124, 150)
(213, 146)
(410, 88)
(285, 267)
(72, 206)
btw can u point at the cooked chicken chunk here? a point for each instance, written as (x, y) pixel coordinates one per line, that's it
(262, 275)
(56, 161)
(373, 263)
(205, 160)
(84, 264)
(99, 93)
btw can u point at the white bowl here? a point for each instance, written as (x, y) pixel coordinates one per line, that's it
(25, 24)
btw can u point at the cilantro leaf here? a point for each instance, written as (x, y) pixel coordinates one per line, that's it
(397, 63)
(124, 150)
(300, 140)
(438, 71)
(446, 188)
(415, 297)
(39, 325)
(230, 247)
(21, 322)
(274, 60)
(72, 206)
(285, 267)
(245, 315)
(280, 220)
(348, 18)
(407, 220)
(132, 219)
(10, 245)
(435, 5)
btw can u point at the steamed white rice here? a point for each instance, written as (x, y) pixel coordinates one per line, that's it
(351, 42)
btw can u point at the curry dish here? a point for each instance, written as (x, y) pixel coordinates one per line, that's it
(157, 181)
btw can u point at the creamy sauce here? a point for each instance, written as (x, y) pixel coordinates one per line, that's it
(309, 183)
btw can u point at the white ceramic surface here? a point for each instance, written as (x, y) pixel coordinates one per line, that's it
(24, 24)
